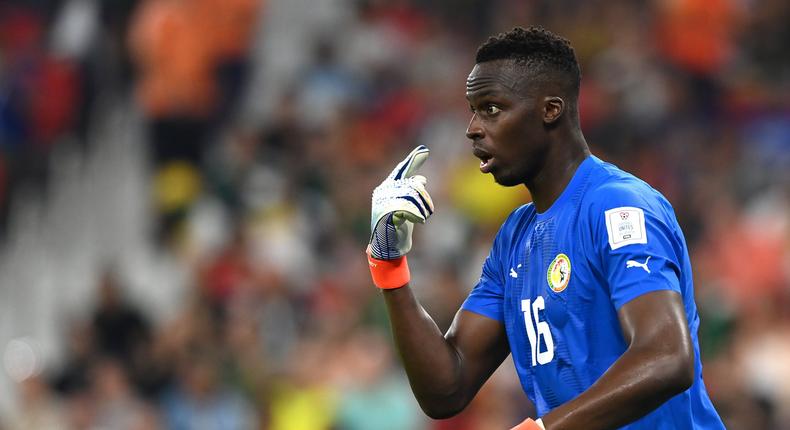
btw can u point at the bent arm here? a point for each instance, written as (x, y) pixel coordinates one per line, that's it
(658, 364)
(445, 371)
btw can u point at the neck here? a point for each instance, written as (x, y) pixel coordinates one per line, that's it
(562, 160)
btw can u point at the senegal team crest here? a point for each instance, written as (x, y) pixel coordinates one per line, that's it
(559, 273)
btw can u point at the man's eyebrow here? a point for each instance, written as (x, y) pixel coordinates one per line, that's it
(482, 93)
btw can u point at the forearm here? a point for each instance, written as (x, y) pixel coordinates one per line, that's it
(636, 384)
(445, 371)
(432, 364)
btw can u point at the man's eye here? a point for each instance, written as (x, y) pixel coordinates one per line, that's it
(492, 110)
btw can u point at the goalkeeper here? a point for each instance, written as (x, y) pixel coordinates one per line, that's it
(589, 287)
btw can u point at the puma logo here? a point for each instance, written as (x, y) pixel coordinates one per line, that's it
(632, 263)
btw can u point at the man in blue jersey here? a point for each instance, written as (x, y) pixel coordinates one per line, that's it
(589, 287)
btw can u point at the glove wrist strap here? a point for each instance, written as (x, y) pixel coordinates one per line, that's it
(389, 274)
(530, 424)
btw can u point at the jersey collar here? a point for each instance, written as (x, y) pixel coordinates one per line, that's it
(576, 181)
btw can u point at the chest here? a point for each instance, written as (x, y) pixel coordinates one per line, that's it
(552, 274)
(548, 256)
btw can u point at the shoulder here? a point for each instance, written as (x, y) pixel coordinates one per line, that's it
(621, 208)
(612, 188)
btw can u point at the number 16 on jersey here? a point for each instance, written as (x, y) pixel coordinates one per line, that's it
(537, 331)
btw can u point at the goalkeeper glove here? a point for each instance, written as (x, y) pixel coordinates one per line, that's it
(399, 202)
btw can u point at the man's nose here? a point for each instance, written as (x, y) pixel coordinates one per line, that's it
(474, 131)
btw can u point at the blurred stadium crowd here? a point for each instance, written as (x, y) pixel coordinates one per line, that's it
(263, 127)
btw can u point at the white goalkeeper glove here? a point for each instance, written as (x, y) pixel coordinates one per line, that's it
(399, 202)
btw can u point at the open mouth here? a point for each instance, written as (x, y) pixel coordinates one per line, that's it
(485, 159)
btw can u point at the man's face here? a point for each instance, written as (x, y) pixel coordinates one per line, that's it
(506, 128)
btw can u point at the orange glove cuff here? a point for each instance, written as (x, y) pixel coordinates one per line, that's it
(389, 274)
(528, 424)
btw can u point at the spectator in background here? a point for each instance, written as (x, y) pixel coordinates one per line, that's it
(175, 85)
(115, 402)
(375, 396)
(38, 408)
(201, 401)
(39, 97)
(191, 58)
(302, 398)
(696, 36)
(118, 326)
(74, 376)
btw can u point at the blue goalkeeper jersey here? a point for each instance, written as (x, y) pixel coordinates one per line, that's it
(556, 280)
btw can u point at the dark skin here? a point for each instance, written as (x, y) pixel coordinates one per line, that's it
(525, 133)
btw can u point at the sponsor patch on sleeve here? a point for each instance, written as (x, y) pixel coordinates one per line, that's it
(625, 226)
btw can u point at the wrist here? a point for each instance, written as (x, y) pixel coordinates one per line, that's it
(389, 274)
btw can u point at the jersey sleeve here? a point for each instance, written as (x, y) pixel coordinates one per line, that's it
(640, 246)
(487, 297)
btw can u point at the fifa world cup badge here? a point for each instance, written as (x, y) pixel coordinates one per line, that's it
(559, 273)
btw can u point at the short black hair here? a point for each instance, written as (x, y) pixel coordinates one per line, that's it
(534, 47)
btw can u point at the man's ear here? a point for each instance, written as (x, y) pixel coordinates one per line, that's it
(553, 107)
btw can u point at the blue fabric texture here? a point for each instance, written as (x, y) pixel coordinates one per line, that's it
(556, 280)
